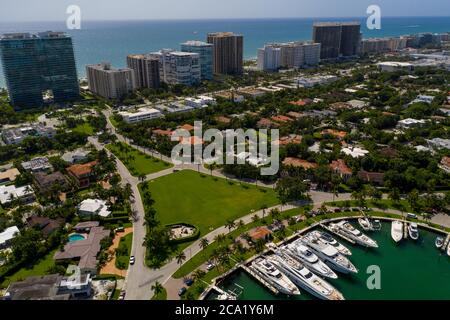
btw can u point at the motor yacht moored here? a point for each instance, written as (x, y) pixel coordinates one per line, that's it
(273, 276)
(304, 278)
(304, 255)
(397, 231)
(348, 230)
(329, 254)
(439, 242)
(332, 242)
(413, 231)
(366, 224)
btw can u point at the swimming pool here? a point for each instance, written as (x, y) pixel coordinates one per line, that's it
(76, 237)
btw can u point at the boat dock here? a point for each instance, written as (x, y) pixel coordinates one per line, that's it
(405, 230)
(256, 275)
(445, 245)
(337, 233)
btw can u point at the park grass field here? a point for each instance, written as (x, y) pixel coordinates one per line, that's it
(137, 162)
(204, 201)
(84, 128)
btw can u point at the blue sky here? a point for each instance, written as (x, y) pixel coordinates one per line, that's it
(54, 10)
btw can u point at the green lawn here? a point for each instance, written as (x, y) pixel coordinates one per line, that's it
(136, 161)
(84, 128)
(39, 269)
(123, 258)
(206, 202)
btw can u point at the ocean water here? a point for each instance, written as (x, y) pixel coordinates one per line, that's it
(409, 270)
(112, 41)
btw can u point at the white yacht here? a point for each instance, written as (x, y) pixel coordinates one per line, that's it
(272, 275)
(304, 278)
(327, 238)
(366, 224)
(328, 253)
(413, 231)
(304, 255)
(347, 230)
(376, 224)
(397, 230)
(448, 250)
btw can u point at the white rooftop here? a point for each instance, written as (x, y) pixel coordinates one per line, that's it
(355, 152)
(8, 234)
(17, 192)
(94, 207)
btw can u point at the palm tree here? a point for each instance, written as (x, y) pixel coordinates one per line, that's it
(203, 243)
(198, 274)
(255, 218)
(230, 225)
(181, 257)
(240, 224)
(157, 288)
(220, 238)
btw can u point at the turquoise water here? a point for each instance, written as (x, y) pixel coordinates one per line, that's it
(76, 237)
(410, 270)
(113, 41)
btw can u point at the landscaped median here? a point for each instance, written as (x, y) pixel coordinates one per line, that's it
(137, 162)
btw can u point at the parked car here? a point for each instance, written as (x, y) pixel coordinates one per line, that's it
(132, 260)
(412, 216)
(120, 229)
(189, 282)
(182, 291)
(210, 266)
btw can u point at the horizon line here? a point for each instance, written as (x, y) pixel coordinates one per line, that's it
(218, 19)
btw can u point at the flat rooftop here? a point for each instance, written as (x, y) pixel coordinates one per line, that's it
(336, 24)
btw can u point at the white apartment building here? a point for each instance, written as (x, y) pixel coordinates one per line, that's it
(109, 82)
(200, 101)
(178, 67)
(288, 55)
(141, 114)
(392, 66)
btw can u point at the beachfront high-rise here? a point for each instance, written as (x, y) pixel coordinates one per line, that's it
(288, 55)
(205, 51)
(337, 39)
(37, 66)
(178, 67)
(228, 52)
(146, 70)
(108, 82)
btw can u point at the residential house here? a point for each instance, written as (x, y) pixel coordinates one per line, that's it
(265, 123)
(46, 182)
(335, 133)
(9, 175)
(445, 164)
(7, 235)
(82, 173)
(290, 139)
(371, 177)
(37, 164)
(339, 167)
(281, 119)
(260, 234)
(45, 224)
(84, 251)
(11, 192)
(355, 152)
(299, 163)
(75, 156)
(93, 207)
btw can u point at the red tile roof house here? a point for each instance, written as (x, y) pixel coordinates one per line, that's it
(281, 119)
(85, 251)
(82, 173)
(293, 138)
(260, 233)
(445, 164)
(266, 123)
(339, 167)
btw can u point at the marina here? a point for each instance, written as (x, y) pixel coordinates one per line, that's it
(390, 257)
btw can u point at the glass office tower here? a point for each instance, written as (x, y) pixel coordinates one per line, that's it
(39, 67)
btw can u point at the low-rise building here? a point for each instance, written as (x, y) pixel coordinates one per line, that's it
(339, 167)
(251, 92)
(17, 135)
(423, 99)
(299, 163)
(9, 175)
(445, 164)
(75, 156)
(232, 96)
(200, 102)
(93, 207)
(309, 82)
(7, 235)
(290, 139)
(355, 152)
(11, 192)
(37, 164)
(50, 287)
(371, 177)
(411, 123)
(439, 143)
(84, 251)
(46, 182)
(141, 114)
(393, 66)
(45, 224)
(82, 173)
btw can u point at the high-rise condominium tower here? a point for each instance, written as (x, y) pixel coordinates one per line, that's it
(37, 64)
(109, 82)
(337, 39)
(146, 70)
(228, 52)
(205, 51)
